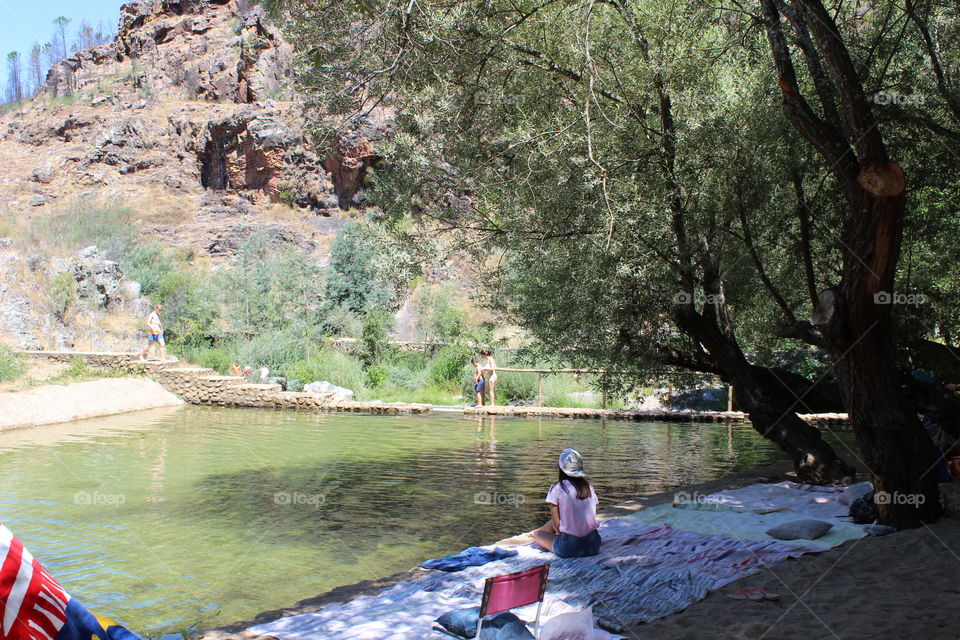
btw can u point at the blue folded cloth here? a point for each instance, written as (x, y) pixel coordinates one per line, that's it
(470, 557)
(879, 529)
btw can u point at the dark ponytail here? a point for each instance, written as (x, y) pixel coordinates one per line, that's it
(580, 484)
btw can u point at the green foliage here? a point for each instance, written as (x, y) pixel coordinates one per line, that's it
(333, 366)
(112, 229)
(406, 378)
(11, 366)
(439, 318)
(63, 292)
(341, 321)
(449, 364)
(218, 359)
(516, 387)
(276, 349)
(376, 376)
(150, 265)
(266, 289)
(367, 270)
(190, 307)
(288, 197)
(375, 336)
(76, 369)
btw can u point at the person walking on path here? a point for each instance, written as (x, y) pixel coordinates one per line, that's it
(154, 334)
(572, 529)
(489, 368)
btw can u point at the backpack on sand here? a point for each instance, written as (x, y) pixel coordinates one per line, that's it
(863, 510)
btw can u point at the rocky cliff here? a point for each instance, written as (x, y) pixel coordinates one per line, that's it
(188, 118)
(192, 101)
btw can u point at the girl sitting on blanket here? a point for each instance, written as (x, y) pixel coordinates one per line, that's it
(572, 530)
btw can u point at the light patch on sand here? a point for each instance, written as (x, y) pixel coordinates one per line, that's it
(81, 400)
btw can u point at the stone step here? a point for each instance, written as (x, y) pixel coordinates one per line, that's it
(219, 378)
(196, 371)
(261, 387)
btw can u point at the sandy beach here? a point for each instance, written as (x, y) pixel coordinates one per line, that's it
(81, 400)
(902, 585)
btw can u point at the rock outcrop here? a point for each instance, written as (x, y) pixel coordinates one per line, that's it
(53, 301)
(216, 50)
(191, 100)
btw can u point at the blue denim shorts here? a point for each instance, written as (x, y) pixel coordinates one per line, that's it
(568, 546)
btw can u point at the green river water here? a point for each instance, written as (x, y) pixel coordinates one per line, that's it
(197, 516)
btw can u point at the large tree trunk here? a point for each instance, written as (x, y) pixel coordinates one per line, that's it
(896, 449)
(770, 403)
(858, 330)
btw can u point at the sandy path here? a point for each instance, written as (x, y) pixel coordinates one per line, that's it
(903, 585)
(80, 400)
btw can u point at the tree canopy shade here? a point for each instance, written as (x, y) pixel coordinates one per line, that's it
(632, 162)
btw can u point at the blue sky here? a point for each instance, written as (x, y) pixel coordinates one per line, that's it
(23, 22)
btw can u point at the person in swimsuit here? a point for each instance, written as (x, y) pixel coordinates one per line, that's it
(154, 334)
(489, 367)
(478, 381)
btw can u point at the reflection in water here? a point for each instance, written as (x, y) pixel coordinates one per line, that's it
(207, 515)
(486, 444)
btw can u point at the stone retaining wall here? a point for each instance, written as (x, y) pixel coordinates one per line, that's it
(198, 385)
(733, 417)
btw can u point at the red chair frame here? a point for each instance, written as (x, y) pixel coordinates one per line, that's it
(494, 585)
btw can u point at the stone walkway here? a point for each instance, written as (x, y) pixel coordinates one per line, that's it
(198, 385)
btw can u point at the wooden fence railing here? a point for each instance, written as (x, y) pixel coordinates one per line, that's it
(603, 373)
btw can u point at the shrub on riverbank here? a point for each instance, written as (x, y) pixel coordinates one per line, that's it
(333, 366)
(11, 366)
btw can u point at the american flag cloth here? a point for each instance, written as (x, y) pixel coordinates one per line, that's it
(35, 607)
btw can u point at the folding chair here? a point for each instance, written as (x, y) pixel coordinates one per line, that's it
(501, 593)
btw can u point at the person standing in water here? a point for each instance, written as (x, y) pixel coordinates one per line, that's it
(489, 368)
(478, 381)
(154, 334)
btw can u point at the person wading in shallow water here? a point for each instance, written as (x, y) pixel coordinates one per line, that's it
(489, 368)
(154, 334)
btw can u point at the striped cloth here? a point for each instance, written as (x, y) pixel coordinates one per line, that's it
(35, 606)
(643, 572)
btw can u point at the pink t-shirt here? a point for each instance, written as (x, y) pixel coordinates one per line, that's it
(577, 517)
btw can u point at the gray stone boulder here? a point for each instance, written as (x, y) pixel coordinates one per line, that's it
(340, 394)
(42, 174)
(99, 281)
(16, 318)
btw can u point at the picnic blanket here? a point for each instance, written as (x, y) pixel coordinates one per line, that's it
(647, 572)
(806, 499)
(642, 573)
(469, 557)
(651, 564)
(744, 525)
